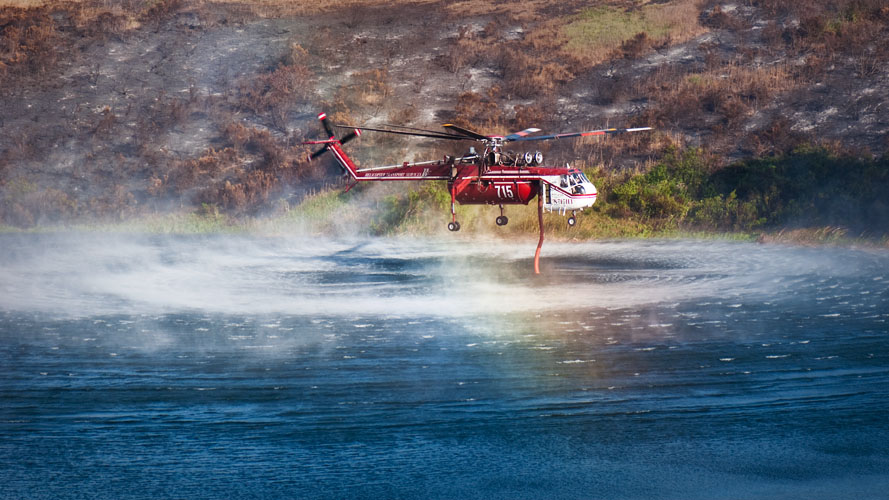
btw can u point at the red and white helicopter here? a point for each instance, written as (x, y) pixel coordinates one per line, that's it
(494, 177)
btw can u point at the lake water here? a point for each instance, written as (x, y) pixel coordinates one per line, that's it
(204, 367)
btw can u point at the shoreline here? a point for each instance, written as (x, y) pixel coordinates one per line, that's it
(291, 224)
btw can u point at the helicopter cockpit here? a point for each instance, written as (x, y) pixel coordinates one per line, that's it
(575, 182)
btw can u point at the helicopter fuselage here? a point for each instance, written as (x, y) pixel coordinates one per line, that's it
(496, 177)
(563, 189)
(473, 182)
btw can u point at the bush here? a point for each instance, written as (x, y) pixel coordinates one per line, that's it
(466, 51)
(479, 112)
(808, 187)
(409, 209)
(527, 76)
(811, 187)
(276, 94)
(24, 204)
(725, 213)
(666, 192)
(635, 47)
(29, 41)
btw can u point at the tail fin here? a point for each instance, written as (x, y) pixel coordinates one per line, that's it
(335, 146)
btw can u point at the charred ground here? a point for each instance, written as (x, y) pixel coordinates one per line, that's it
(142, 107)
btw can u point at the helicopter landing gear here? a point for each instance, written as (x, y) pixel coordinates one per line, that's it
(502, 220)
(453, 225)
(572, 220)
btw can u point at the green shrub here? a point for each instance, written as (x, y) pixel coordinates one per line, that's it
(725, 213)
(809, 187)
(667, 191)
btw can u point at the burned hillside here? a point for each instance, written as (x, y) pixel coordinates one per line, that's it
(118, 111)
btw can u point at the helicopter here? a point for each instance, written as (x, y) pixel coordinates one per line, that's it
(493, 177)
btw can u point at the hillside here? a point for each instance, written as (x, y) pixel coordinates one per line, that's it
(112, 111)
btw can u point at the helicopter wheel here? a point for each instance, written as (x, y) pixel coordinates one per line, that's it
(572, 221)
(502, 220)
(453, 226)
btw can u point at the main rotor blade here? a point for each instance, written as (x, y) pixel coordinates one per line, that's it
(515, 136)
(588, 133)
(468, 133)
(391, 126)
(415, 134)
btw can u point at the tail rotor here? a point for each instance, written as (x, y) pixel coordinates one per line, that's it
(327, 127)
(331, 137)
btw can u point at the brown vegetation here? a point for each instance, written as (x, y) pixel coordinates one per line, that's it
(731, 93)
(276, 94)
(28, 43)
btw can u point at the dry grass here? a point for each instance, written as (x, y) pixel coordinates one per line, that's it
(732, 92)
(278, 92)
(529, 10)
(261, 8)
(808, 236)
(595, 34)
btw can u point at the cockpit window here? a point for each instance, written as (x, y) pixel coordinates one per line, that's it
(563, 181)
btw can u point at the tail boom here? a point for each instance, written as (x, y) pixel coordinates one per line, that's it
(336, 147)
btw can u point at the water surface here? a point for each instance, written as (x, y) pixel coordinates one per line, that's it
(206, 367)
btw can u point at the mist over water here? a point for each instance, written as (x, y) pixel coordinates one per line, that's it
(207, 366)
(79, 275)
